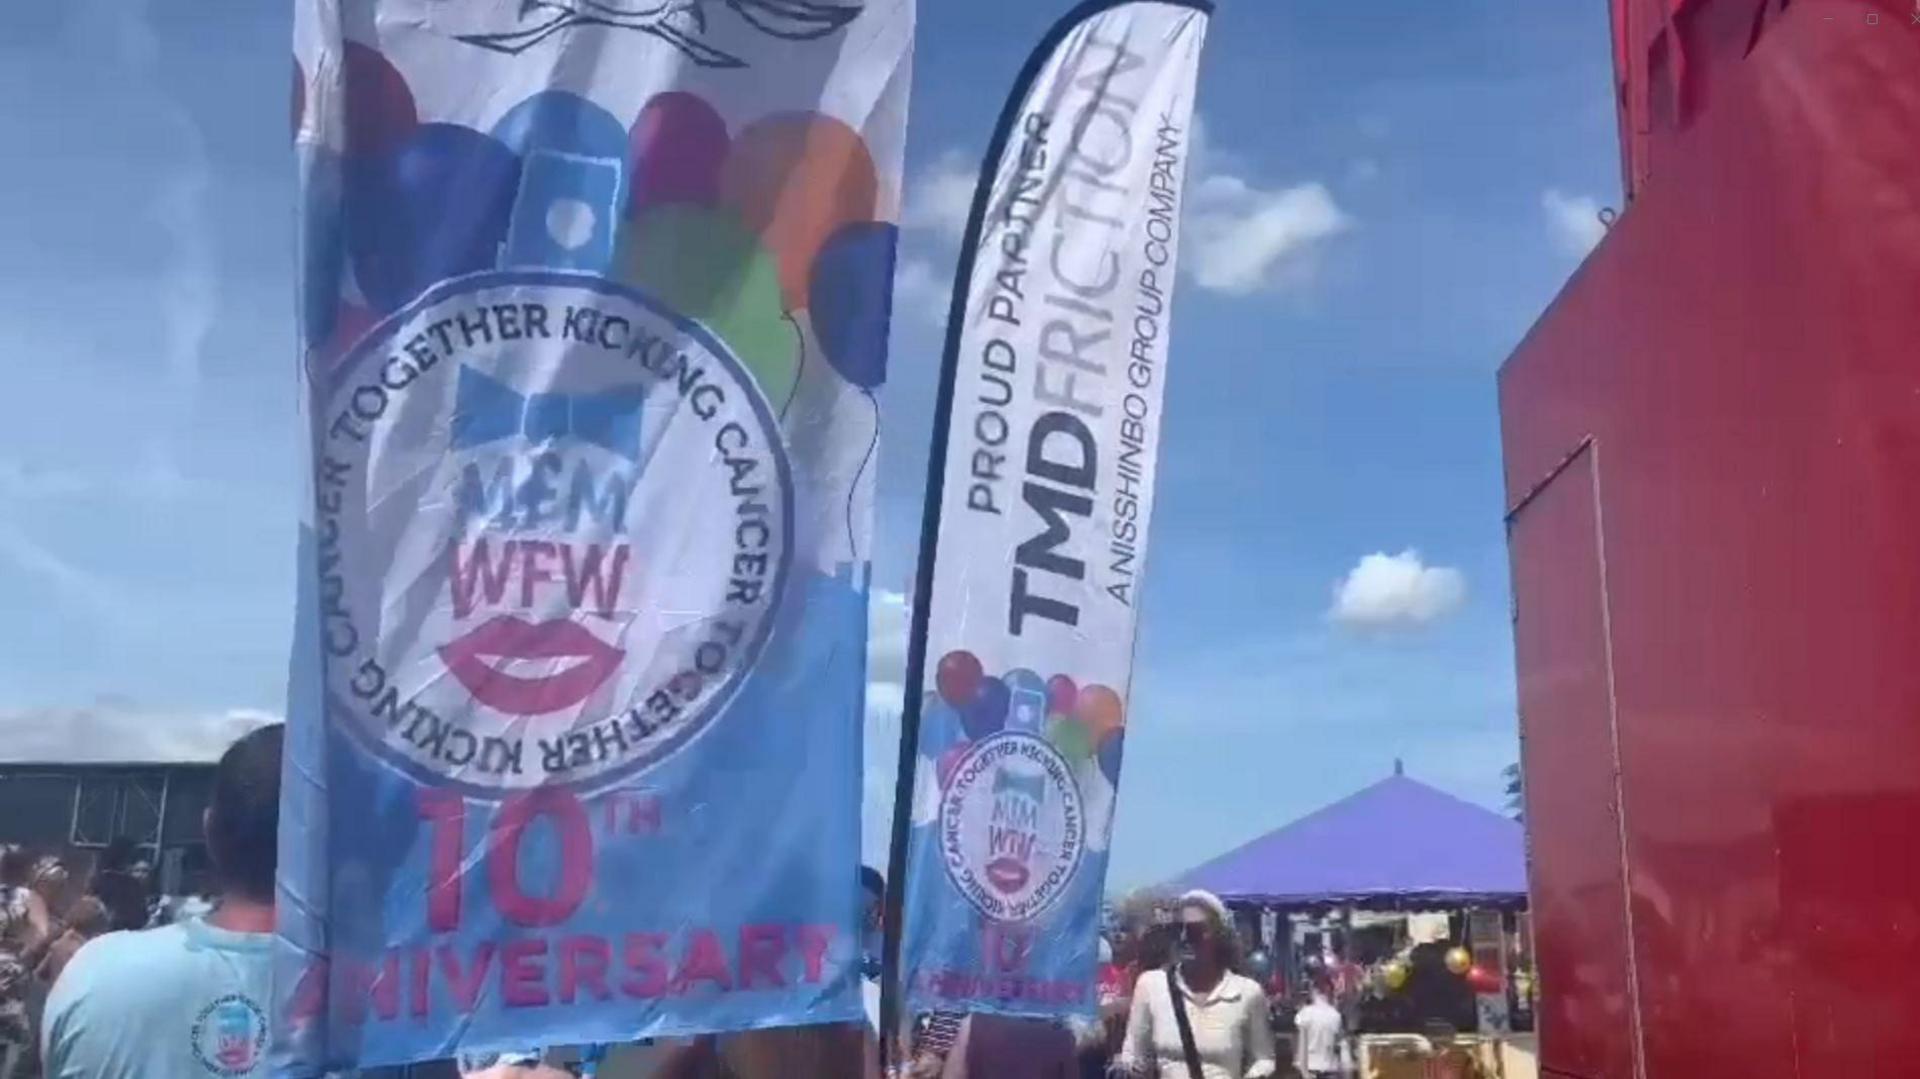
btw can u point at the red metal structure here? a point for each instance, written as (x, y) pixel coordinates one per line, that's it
(1712, 447)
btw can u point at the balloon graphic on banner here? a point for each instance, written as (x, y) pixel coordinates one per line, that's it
(380, 113)
(1101, 710)
(563, 122)
(705, 263)
(350, 323)
(987, 712)
(434, 208)
(851, 303)
(1070, 738)
(675, 150)
(958, 678)
(796, 178)
(1062, 694)
(939, 721)
(1027, 701)
(323, 243)
(573, 169)
(1111, 752)
(948, 761)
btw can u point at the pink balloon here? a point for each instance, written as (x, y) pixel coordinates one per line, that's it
(677, 146)
(380, 110)
(1062, 694)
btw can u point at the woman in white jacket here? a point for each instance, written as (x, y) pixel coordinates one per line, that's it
(1232, 1034)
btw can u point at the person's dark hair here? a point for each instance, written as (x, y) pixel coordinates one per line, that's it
(16, 866)
(125, 900)
(196, 872)
(117, 856)
(872, 882)
(243, 816)
(1156, 947)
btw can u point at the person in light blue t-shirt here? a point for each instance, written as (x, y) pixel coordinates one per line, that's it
(188, 1000)
(193, 999)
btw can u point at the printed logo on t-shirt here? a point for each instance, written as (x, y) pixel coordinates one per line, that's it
(230, 1036)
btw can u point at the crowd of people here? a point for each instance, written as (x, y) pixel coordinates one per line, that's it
(102, 979)
(47, 913)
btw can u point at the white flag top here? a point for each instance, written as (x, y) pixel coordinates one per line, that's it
(1053, 427)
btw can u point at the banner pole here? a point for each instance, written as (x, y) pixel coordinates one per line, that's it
(903, 787)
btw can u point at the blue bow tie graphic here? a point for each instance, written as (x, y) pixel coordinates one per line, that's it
(487, 410)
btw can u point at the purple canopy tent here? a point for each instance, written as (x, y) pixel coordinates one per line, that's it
(1398, 844)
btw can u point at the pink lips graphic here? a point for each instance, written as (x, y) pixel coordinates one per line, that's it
(1007, 873)
(507, 637)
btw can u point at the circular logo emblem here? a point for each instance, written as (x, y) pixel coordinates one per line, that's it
(553, 523)
(1011, 826)
(230, 1036)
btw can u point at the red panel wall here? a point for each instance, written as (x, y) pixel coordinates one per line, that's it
(1744, 351)
(1575, 849)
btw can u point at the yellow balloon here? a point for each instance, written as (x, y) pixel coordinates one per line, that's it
(1459, 960)
(1395, 975)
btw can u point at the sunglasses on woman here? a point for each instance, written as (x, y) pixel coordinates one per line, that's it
(1194, 932)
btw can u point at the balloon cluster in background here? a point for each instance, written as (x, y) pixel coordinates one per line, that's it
(1084, 723)
(761, 234)
(1393, 975)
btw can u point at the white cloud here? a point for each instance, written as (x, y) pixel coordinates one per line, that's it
(922, 292)
(1386, 592)
(1573, 221)
(119, 732)
(1242, 236)
(1243, 239)
(939, 198)
(934, 219)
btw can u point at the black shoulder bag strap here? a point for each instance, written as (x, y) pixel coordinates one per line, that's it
(1180, 1019)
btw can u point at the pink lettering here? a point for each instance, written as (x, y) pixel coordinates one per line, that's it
(488, 577)
(585, 576)
(813, 941)
(704, 961)
(583, 963)
(465, 986)
(762, 947)
(420, 967)
(523, 973)
(482, 574)
(646, 968)
(534, 555)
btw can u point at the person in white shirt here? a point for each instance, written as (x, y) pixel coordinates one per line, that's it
(1232, 1034)
(1317, 1046)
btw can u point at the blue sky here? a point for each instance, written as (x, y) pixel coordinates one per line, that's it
(1386, 197)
